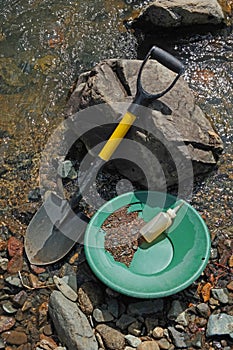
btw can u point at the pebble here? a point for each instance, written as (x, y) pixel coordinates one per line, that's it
(90, 295)
(230, 261)
(132, 340)
(14, 337)
(176, 309)
(124, 321)
(178, 338)
(220, 324)
(148, 345)
(15, 264)
(8, 308)
(113, 307)
(65, 289)
(182, 319)
(151, 323)
(204, 310)
(230, 286)
(20, 298)
(145, 307)
(3, 264)
(70, 323)
(102, 315)
(6, 323)
(113, 339)
(158, 332)
(14, 281)
(221, 295)
(135, 328)
(164, 344)
(14, 246)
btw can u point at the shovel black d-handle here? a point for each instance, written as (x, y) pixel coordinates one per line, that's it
(142, 98)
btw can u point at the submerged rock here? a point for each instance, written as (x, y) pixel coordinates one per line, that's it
(169, 138)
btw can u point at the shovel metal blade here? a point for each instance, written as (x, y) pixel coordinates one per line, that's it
(46, 240)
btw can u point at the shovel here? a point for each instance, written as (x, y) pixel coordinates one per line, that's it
(57, 225)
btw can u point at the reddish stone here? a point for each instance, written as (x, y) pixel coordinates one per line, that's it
(15, 247)
(37, 269)
(15, 264)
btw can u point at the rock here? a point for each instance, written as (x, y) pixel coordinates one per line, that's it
(145, 307)
(89, 296)
(158, 332)
(113, 339)
(124, 321)
(176, 309)
(14, 281)
(14, 337)
(15, 264)
(148, 345)
(178, 338)
(65, 289)
(113, 307)
(230, 286)
(179, 13)
(6, 323)
(71, 324)
(220, 324)
(151, 323)
(8, 307)
(135, 328)
(182, 319)
(3, 264)
(220, 294)
(204, 310)
(66, 170)
(20, 298)
(132, 340)
(14, 246)
(165, 125)
(164, 344)
(102, 315)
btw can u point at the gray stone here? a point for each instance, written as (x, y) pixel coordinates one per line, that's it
(102, 315)
(113, 339)
(124, 321)
(70, 323)
(151, 323)
(220, 294)
(66, 170)
(113, 307)
(174, 128)
(182, 319)
(204, 310)
(132, 340)
(176, 309)
(178, 338)
(177, 13)
(220, 324)
(65, 288)
(145, 307)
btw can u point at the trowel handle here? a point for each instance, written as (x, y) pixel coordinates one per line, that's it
(167, 60)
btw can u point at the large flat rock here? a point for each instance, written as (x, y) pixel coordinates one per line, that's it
(169, 136)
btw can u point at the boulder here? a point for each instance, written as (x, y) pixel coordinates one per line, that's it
(180, 13)
(170, 140)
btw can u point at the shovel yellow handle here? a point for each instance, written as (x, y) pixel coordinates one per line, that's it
(117, 135)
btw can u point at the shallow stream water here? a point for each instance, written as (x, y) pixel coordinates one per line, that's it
(45, 45)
